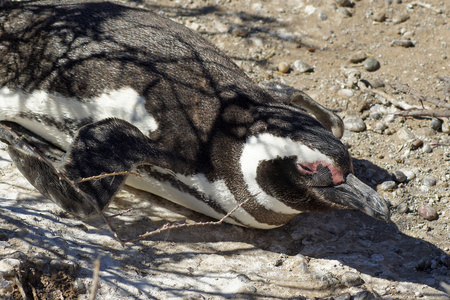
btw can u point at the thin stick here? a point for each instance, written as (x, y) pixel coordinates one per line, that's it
(167, 226)
(106, 175)
(95, 280)
(20, 287)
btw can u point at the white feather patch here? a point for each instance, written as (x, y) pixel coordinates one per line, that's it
(267, 147)
(125, 104)
(217, 191)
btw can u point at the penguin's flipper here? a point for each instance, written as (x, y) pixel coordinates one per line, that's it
(105, 147)
(289, 95)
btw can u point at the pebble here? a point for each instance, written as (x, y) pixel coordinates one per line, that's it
(380, 127)
(405, 134)
(345, 12)
(302, 66)
(345, 93)
(406, 43)
(378, 83)
(343, 3)
(358, 57)
(402, 208)
(427, 212)
(379, 17)
(354, 123)
(429, 181)
(322, 16)
(79, 286)
(345, 296)
(351, 279)
(436, 124)
(416, 144)
(10, 267)
(284, 67)
(371, 64)
(399, 176)
(365, 295)
(410, 175)
(427, 148)
(400, 19)
(388, 185)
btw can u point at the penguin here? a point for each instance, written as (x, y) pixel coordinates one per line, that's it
(92, 88)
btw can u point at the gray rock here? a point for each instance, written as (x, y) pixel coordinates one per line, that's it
(405, 134)
(377, 83)
(406, 43)
(10, 267)
(345, 93)
(351, 279)
(302, 66)
(371, 64)
(365, 295)
(79, 286)
(400, 19)
(345, 12)
(379, 17)
(436, 124)
(388, 185)
(345, 296)
(380, 126)
(427, 148)
(358, 57)
(322, 16)
(399, 176)
(429, 181)
(354, 123)
(402, 208)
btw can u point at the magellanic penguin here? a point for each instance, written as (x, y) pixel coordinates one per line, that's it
(90, 88)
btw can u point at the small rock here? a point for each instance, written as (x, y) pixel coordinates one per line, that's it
(427, 212)
(399, 176)
(284, 67)
(436, 124)
(10, 267)
(416, 144)
(345, 12)
(388, 185)
(322, 16)
(345, 296)
(365, 295)
(379, 17)
(405, 134)
(406, 43)
(402, 208)
(345, 93)
(371, 64)
(344, 3)
(352, 279)
(410, 175)
(358, 57)
(79, 286)
(400, 19)
(375, 116)
(302, 66)
(429, 181)
(427, 148)
(377, 83)
(380, 127)
(354, 123)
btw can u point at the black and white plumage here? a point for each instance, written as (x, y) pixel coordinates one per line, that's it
(120, 88)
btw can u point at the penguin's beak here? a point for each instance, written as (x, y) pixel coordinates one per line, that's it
(355, 194)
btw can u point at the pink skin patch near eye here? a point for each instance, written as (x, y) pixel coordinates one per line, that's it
(311, 168)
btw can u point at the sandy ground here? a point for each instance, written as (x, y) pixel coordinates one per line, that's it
(47, 254)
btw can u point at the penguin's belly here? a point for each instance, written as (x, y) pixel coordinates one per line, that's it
(195, 192)
(57, 119)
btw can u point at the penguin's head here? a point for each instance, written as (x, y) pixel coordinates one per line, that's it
(292, 160)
